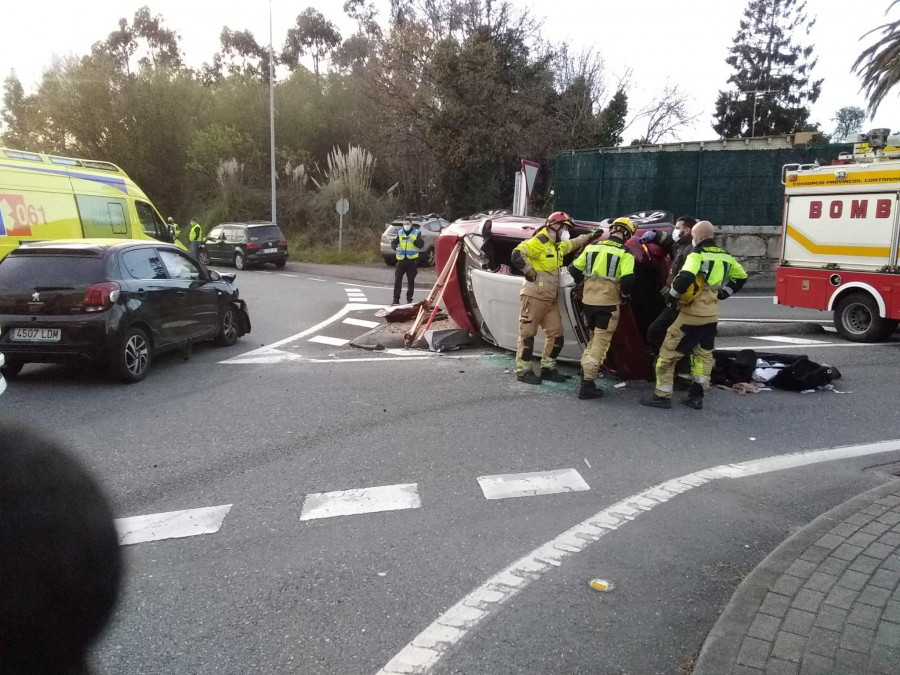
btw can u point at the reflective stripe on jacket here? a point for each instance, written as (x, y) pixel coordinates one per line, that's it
(720, 270)
(607, 266)
(407, 248)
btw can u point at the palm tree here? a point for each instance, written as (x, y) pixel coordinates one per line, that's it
(879, 65)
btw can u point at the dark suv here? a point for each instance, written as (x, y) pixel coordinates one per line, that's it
(245, 244)
(114, 302)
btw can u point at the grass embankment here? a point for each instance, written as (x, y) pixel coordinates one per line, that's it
(360, 247)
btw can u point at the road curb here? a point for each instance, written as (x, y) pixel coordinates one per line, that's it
(379, 338)
(723, 643)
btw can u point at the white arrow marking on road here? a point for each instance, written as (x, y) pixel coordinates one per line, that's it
(507, 485)
(268, 350)
(325, 340)
(362, 322)
(789, 340)
(362, 500)
(424, 652)
(171, 525)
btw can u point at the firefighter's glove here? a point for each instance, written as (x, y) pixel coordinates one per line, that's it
(530, 274)
(724, 293)
(671, 301)
(648, 236)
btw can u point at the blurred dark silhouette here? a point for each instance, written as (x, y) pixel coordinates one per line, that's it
(60, 564)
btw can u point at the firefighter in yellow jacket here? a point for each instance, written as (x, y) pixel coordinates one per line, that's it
(709, 274)
(608, 271)
(540, 259)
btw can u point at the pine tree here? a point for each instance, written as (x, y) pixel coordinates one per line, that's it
(772, 69)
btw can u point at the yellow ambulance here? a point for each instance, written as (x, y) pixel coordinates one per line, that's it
(49, 197)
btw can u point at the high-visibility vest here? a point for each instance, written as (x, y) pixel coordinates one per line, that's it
(606, 259)
(406, 248)
(196, 233)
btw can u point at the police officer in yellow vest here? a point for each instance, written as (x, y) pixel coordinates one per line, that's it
(608, 271)
(195, 234)
(709, 274)
(174, 229)
(407, 244)
(540, 259)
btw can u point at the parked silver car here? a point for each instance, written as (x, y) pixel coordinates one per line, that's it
(430, 225)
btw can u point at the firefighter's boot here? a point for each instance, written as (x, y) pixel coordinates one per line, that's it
(553, 375)
(528, 377)
(657, 402)
(589, 390)
(694, 399)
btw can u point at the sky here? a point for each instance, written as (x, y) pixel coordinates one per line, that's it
(661, 41)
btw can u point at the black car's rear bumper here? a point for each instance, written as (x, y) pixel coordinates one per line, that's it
(87, 337)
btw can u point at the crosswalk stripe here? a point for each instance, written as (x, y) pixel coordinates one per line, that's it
(171, 525)
(325, 340)
(362, 322)
(504, 486)
(789, 340)
(360, 500)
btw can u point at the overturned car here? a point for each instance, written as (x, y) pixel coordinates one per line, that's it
(482, 293)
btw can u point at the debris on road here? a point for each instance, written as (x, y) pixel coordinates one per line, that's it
(748, 371)
(601, 585)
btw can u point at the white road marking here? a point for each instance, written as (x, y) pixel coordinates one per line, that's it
(312, 279)
(285, 274)
(325, 340)
(362, 322)
(789, 340)
(721, 320)
(424, 652)
(821, 346)
(171, 525)
(505, 486)
(362, 500)
(380, 288)
(272, 349)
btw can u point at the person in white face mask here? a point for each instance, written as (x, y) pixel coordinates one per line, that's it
(407, 244)
(679, 245)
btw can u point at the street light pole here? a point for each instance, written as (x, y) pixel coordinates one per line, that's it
(272, 113)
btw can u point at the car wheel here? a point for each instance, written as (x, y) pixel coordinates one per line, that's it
(427, 260)
(204, 257)
(239, 260)
(228, 328)
(280, 263)
(856, 319)
(11, 368)
(133, 357)
(390, 262)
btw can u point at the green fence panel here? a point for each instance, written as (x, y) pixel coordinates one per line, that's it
(727, 187)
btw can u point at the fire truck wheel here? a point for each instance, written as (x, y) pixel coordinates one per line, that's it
(856, 319)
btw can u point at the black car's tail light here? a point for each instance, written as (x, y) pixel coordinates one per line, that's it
(101, 296)
(253, 245)
(282, 242)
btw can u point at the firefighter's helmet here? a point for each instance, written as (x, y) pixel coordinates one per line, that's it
(695, 289)
(623, 225)
(559, 219)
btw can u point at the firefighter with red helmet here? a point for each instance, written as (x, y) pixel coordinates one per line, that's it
(540, 259)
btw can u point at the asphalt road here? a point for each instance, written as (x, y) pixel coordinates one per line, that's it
(291, 412)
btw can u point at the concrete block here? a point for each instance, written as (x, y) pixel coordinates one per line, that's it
(746, 246)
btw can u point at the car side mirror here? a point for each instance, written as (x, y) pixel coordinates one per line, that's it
(214, 276)
(485, 228)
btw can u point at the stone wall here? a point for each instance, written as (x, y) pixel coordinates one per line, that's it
(758, 249)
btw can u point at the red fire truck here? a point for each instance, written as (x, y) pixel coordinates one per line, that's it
(840, 233)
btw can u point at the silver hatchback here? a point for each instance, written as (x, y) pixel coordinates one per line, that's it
(429, 225)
